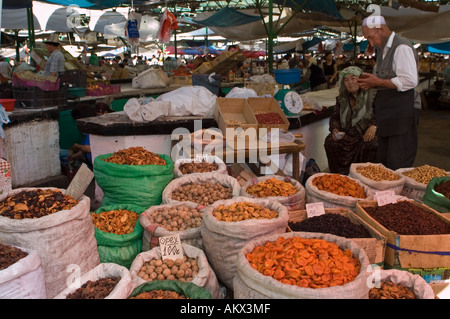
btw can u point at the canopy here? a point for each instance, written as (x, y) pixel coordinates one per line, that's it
(327, 7)
(228, 17)
(441, 48)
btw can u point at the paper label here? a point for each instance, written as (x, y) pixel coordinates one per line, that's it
(80, 182)
(171, 247)
(315, 209)
(385, 197)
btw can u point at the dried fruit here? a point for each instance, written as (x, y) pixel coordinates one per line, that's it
(159, 294)
(339, 185)
(181, 269)
(197, 167)
(309, 263)
(36, 203)
(204, 193)
(272, 187)
(389, 290)
(99, 289)
(243, 211)
(135, 156)
(176, 218)
(9, 255)
(118, 221)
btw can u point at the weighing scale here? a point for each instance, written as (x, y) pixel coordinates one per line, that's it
(290, 101)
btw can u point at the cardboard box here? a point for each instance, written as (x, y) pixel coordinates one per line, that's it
(411, 251)
(374, 247)
(205, 67)
(261, 105)
(181, 79)
(221, 57)
(236, 113)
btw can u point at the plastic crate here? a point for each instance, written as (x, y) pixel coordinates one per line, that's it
(34, 97)
(288, 76)
(43, 85)
(76, 78)
(103, 89)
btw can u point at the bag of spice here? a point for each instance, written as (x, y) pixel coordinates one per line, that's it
(21, 274)
(336, 190)
(118, 233)
(165, 220)
(283, 189)
(437, 195)
(194, 268)
(105, 281)
(133, 183)
(377, 177)
(292, 281)
(228, 225)
(61, 232)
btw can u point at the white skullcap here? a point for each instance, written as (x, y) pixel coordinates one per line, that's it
(373, 21)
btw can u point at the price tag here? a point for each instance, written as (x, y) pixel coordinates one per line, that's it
(171, 247)
(315, 209)
(201, 157)
(385, 197)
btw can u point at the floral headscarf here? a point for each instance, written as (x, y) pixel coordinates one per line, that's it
(364, 98)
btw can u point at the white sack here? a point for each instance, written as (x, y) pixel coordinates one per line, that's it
(122, 290)
(241, 93)
(412, 189)
(24, 279)
(152, 232)
(293, 202)
(330, 200)
(190, 101)
(221, 166)
(205, 278)
(213, 177)
(141, 110)
(62, 239)
(249, 283)
(377, 186)
(223, 240)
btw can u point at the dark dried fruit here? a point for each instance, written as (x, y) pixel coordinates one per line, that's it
(198, 167)
(443, 188)
(159, 294)
(9, 255)
(36, 203)
(331, 224)
(99, 289)
(389, 290)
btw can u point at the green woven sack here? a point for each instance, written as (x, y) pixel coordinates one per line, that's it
(188, 289)
(436, 200)
(119, 249)
(132, 184)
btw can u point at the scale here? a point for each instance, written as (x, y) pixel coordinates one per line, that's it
(290, 101)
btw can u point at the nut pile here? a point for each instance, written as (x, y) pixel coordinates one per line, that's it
(309, 263)
(330, 223)
(118, 221)
(176, 218)
(204, 193)
(424, 174)
(99, 289)
(406, 218)
(269, 118)
(235, 122)
(9, 255)
(243, 211)
(135, 156)
(159, 294)
(35, 203)
(198, 167)
(389, 290)
(180, 269)
(443, 188)
(339, 185)
(272, 187)
(377, 173)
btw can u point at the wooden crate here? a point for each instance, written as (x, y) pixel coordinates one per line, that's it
(181, 79)
(261, 105)
(374, 247)
(410, 251)
(230, 110)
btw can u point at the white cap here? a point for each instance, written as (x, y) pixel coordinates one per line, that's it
(373, 21)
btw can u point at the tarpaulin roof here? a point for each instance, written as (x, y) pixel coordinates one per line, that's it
(441, 48)
(90, 4)
(227, 17)
(327, 7)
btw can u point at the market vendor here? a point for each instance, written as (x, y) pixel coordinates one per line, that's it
(5, 70)
(56, 60)
(397, 103)
(352, 124)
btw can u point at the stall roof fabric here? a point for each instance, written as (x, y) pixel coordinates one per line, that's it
(89, 4)
(327, 7)
(227, 17)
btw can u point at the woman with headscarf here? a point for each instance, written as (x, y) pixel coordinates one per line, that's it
(352, 125)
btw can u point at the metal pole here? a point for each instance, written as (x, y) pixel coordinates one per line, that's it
(270, 38)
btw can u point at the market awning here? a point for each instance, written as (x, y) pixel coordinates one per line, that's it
(441, 48)
(327, 7)
(227, 17)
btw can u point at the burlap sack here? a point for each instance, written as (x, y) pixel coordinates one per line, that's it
(377, 186)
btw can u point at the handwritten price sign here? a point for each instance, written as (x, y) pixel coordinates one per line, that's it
(315, 209)
(385, 197)
(171, 247)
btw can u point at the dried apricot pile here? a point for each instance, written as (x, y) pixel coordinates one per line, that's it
(308, 263)
(272, 187)
(117, 221)
(243, 211)
(339, 185)
(135, 156)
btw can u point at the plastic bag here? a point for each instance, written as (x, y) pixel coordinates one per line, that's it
(241, 93)
(188, 289)
(139, 110)
(141, 185)
(119, 249)
(434, 199)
